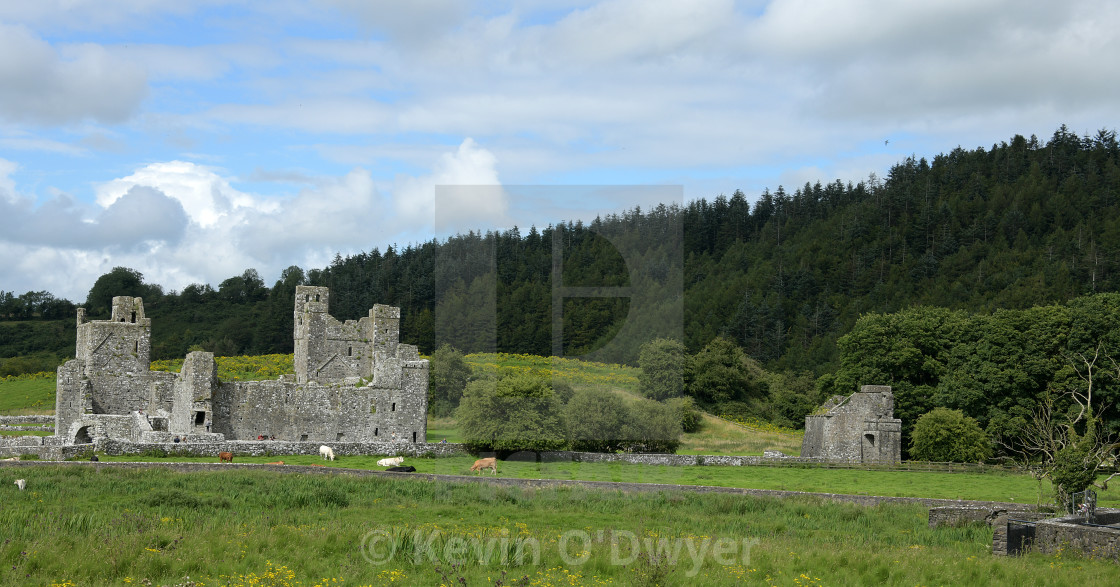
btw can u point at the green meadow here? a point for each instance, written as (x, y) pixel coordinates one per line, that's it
(78, 526)
(1007, 487)
(27, 394)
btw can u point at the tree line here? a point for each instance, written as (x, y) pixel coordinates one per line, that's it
(1020, 224)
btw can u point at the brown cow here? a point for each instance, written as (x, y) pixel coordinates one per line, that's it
(490, 463)
(277, 463)
(225, 457)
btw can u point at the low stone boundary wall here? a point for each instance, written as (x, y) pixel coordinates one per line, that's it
(1046, 534)
(958, 516)
(279, 448)
(26, 420)
(19, 441)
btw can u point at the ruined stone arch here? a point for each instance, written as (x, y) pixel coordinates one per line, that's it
(82, 436)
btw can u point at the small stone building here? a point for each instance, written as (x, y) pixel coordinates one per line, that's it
(353, 382)
(860, 427)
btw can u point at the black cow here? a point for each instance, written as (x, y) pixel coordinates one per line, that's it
(404, 469)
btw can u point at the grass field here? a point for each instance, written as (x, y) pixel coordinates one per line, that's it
(720, 437)
(27, 394)
(76, 526)
(978, 486)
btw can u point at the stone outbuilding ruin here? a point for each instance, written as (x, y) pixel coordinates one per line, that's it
(353, 382)
(860, 427)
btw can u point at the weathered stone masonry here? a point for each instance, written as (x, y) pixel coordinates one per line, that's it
(353, 382)
(861, 427)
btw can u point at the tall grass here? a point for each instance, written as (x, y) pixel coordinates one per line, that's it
(718, 436)
(79, 526)
(1006, 487)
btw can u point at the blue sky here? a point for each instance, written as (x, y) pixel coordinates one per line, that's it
(194, 140)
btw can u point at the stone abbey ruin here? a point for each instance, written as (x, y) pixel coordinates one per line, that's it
(860, 427)
(353, 382)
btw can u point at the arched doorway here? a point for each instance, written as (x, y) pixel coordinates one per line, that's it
(82, 436)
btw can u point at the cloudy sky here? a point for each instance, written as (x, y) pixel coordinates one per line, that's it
(191, 140)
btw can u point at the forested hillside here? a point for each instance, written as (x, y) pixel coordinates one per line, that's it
(1020, 224)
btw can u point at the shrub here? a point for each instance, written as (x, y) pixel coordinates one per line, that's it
(718, 374)
(1073, 471)
(515, 413)
(948, 435)
(652, 427)
(563, 390)
(595, 419)
(662, 363)
(690, 416)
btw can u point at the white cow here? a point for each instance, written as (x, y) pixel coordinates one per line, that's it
(21, 483)
(326, 452)
(390, 462)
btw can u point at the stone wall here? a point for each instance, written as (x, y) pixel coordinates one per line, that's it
(280, 448)
(959, 516)
(861, 427)
(1068, 534)
(1017, 532)
(354, 382)
(26, 420)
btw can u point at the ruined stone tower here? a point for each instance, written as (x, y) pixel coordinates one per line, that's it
(114, 352)
(353, 382)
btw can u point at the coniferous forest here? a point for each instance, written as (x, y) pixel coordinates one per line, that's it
(784, 274)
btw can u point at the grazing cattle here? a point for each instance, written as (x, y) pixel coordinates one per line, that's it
(225, 457)
(326, 452)
(490, 463)
(277, 463)
(405, 469)
(12, 459)
(94, 459)
(391, 462)
(21, 483)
